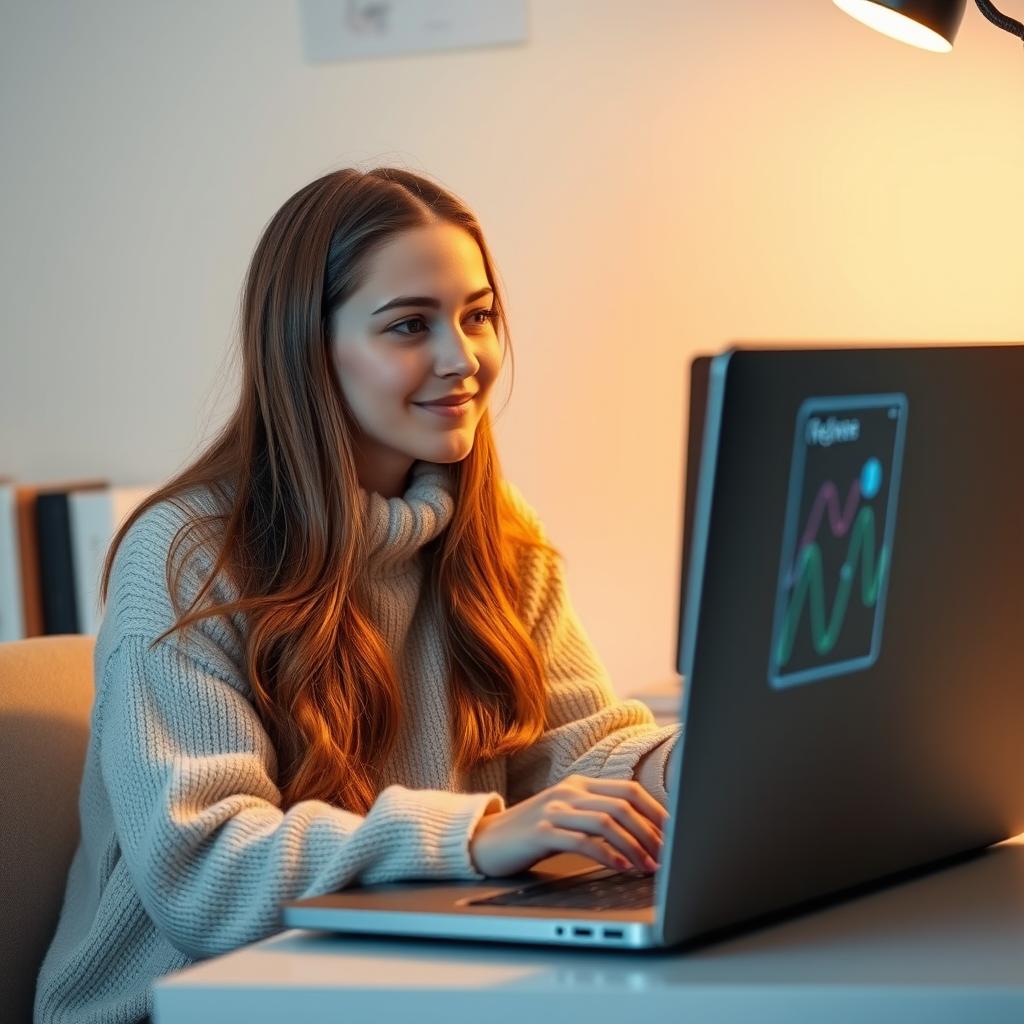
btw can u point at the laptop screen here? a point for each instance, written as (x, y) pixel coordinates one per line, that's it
(699, 369)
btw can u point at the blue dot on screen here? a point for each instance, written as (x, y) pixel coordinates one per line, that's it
(871, 478)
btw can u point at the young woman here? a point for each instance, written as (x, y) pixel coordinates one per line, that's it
(338, 646)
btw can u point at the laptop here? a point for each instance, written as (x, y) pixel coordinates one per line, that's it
(852, 645)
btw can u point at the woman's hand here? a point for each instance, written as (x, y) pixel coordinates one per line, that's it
(615, 822)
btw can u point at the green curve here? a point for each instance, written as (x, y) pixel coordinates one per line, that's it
(811, 587)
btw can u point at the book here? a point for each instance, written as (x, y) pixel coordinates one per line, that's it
(95, 516)
(56, 562)
(12, 612)
(25, 498)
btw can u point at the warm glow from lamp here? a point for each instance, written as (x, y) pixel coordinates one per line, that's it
(897, 26)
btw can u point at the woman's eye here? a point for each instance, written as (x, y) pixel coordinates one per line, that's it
(486, 315)
(414, 320)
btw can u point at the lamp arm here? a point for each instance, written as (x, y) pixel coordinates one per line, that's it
(1000, 19)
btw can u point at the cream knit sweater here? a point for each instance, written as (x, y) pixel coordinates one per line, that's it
(185, 852)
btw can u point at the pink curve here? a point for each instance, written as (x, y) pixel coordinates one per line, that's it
(839, 522)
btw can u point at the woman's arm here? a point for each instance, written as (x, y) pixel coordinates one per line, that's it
(588, 731)
(190, 771)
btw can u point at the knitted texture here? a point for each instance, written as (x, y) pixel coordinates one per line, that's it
(185, 851)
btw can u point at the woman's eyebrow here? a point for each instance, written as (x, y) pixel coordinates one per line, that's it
(421, 300)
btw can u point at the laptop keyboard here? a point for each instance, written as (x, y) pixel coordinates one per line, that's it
(597, 890)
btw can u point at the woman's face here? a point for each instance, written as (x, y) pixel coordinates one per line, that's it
(419, 328)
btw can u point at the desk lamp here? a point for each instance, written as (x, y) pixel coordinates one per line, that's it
(929, 24)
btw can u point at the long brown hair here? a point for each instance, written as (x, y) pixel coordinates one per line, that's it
(292, 536)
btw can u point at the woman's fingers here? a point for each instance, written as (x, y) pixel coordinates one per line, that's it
(625, 789)
(595, 847)
(648, 834)
(599, 823)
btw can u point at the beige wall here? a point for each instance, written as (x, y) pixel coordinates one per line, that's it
(656, 178)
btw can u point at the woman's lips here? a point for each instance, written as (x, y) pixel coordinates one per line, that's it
(451, 411)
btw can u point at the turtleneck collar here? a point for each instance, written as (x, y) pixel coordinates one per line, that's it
(397, 528)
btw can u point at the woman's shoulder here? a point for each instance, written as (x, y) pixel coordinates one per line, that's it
(189, 517)
(540, 564)
(180, 534)
(523, 509)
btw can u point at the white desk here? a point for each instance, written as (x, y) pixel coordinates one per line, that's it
(947, 946)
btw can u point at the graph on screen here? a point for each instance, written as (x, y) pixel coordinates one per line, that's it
(837, 537)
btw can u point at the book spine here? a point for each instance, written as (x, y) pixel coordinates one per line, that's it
(56, 565)
(91, 530)
(12, 620)
(28, 549)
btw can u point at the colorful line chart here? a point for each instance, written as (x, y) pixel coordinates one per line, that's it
(837, 538)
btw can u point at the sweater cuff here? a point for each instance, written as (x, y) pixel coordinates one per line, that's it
(653, 773)
(444, 822)
(653, 749)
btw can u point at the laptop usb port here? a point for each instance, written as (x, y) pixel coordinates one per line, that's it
(614, 933)
(583, 931)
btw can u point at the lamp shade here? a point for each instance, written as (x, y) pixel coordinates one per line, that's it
(929, 24)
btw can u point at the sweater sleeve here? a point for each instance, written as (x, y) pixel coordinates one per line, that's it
(190, 774)
(588, 731)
